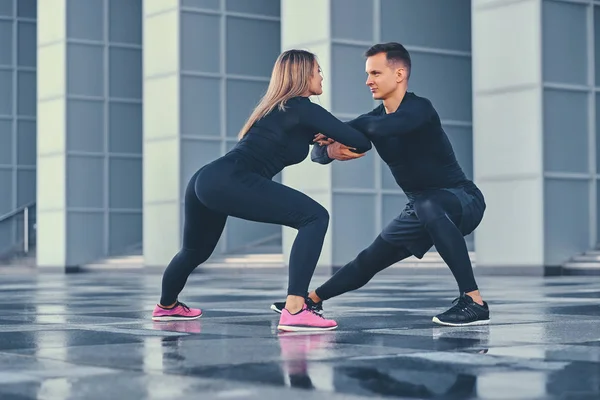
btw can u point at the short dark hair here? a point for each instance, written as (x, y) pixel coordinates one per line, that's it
(393, 52)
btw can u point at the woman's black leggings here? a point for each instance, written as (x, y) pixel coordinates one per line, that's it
(223, 190)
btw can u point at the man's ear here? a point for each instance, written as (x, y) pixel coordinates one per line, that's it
(400, 74)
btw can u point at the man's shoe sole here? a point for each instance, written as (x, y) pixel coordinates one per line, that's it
(275, 309)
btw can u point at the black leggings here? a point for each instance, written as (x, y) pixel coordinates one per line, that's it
(439, 212)
(222, 189)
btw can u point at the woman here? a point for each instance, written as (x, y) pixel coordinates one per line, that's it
(277, 134)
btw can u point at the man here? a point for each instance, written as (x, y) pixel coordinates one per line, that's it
(444, 206)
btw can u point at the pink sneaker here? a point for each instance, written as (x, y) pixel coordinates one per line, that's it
(180, 312)
(305, 320)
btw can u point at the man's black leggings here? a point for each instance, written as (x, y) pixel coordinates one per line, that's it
(432, 218)
(223, 189)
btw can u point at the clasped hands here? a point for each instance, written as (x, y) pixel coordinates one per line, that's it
(336, 150)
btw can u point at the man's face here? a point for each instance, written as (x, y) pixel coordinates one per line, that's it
(382, 78)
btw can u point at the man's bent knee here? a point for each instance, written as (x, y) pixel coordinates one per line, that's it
(427, 210)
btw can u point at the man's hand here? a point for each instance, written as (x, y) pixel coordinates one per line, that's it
(322, 140)
(338, 151)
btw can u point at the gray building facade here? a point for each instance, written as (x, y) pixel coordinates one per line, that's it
(89, 100)
(362, 195)
(535, 118)
(18, 61)
(116, 103)
(206, 64)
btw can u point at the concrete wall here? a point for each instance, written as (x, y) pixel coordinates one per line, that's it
(535, 144)
(18, 63)
(361, 195)
(80, 98)
(206, 64)
(89, 145)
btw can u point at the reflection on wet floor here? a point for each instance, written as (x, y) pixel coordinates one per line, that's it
(90, 336)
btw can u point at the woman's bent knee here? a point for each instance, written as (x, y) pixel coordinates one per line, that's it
(321, 217)
(318, 216)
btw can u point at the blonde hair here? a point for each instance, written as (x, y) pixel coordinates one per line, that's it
(290, 78)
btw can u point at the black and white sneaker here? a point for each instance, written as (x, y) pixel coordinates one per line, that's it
(278, 306)
(464, 313)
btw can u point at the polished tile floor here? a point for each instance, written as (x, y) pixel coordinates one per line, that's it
(89, 336)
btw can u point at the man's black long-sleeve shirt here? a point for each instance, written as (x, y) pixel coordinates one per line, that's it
(412, 143)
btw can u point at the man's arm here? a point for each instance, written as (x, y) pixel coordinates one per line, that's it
(319, 155)
(400, 122)
(324, 154)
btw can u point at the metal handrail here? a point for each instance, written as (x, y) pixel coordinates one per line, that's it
(16, 211)
(25, 210)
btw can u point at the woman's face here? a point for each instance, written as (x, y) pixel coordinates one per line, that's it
(315, 86)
